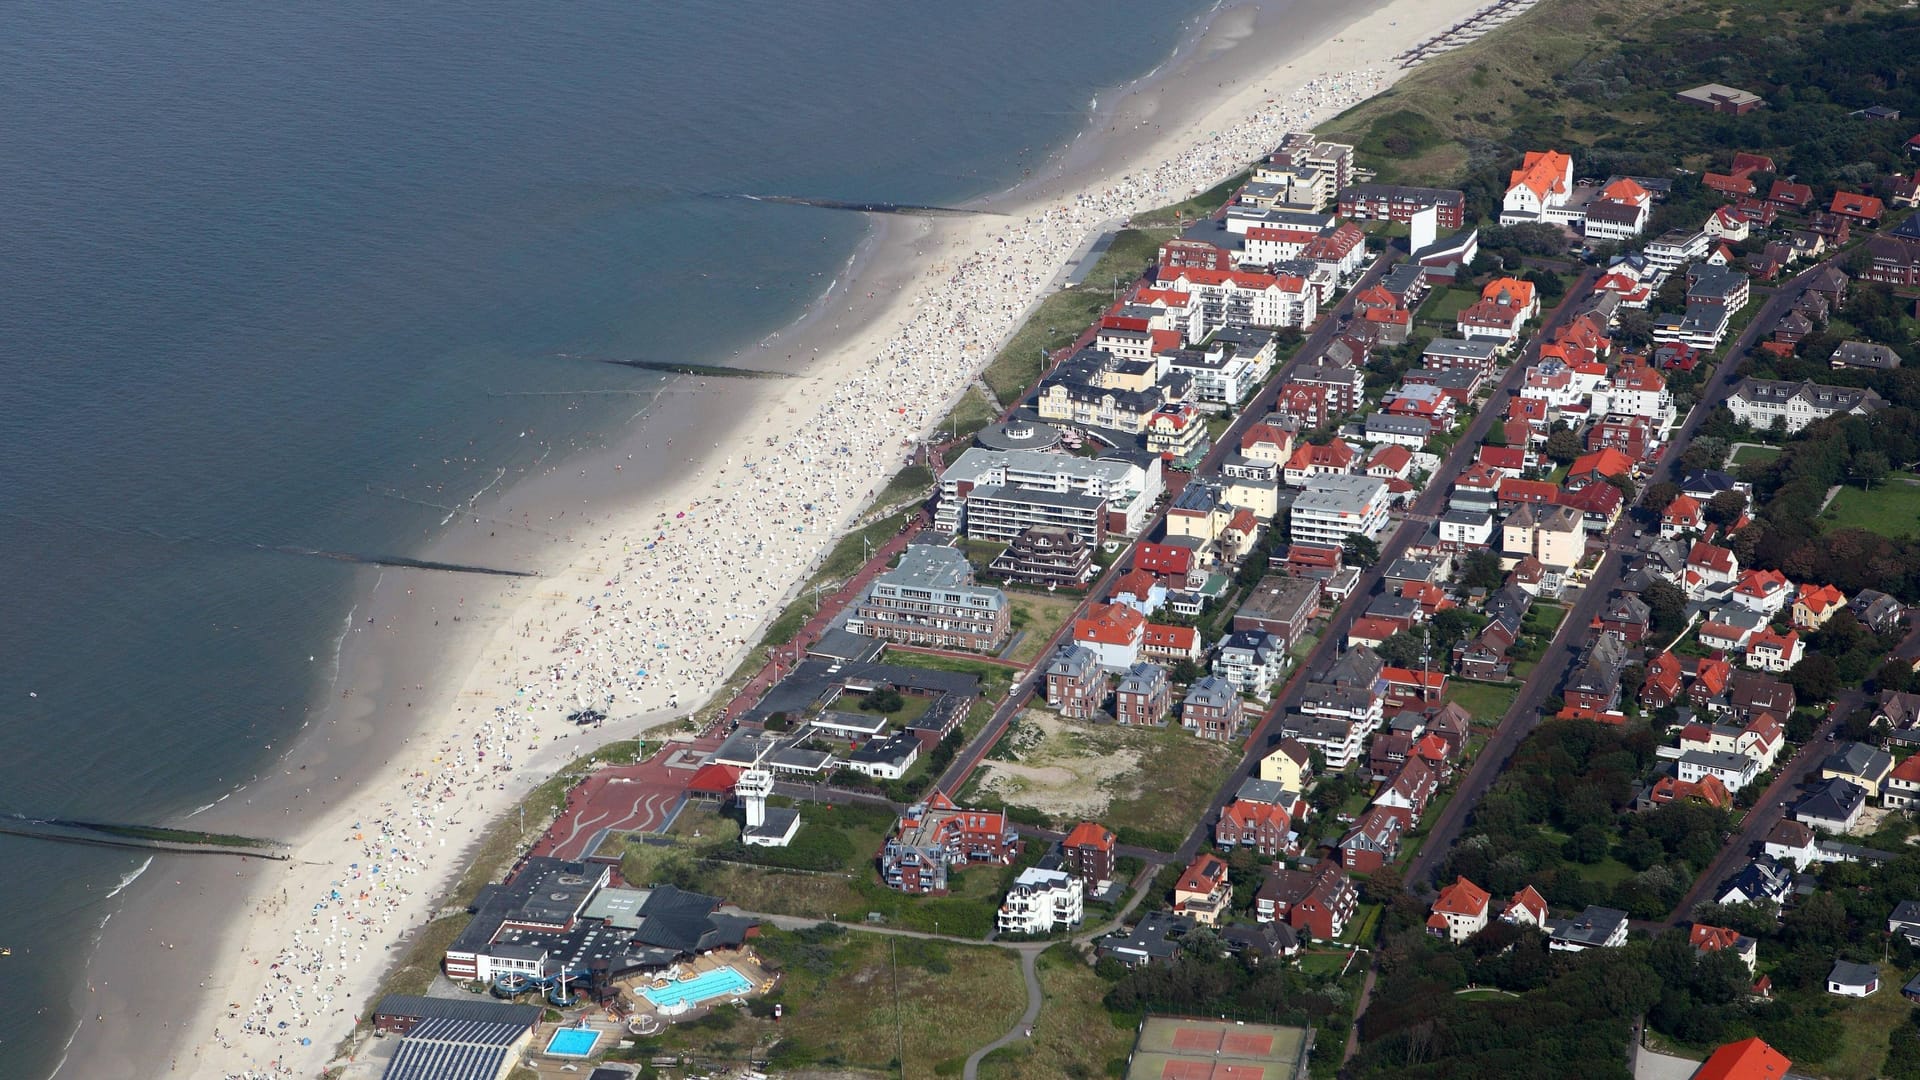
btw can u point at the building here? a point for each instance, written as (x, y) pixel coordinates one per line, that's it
(1333, 508)
(1594, 928)
(444, 1048)
(1089, 853)
(1390, 202)
(1834, 805)
(1203, 892)
(1554, 535)
(1734, 771)
(1281, 606)
(930, 599)
(1706, 939)
(1252, 661)
(1265, 827)
(397, 1014)
(1045, 555)
(554, 918)
(1040, 902)
(1865, 766)
(1459, 912)
(1619, 212)
(1539, 190)
(1372, 842)
(1317, 901)
(1211, 709)
(1722, 99)
(1245, 298)
(1143, 696)
(998, 494)
(1761, 403)
(1748, 1059)
(1290, 764)
(1504, 307)
(1076, 682)
(1853, 980)
(934, 836)
(1155, 937)
(1114, 633)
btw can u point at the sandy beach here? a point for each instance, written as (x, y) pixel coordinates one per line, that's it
(660, 559)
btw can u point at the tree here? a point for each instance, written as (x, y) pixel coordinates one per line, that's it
(884, 700)
(1668, 605)
(1870, 467)
(777, 722)
(1186, 671)
(1705, 452)
(1588, 844)
(1816, 678)
(1726, 507)
(1360, 550)
(1563, 446)
(1481, 570)
(1658, 496)
(1549, 286)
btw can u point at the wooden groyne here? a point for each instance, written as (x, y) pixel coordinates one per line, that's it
(141, 837)
(870, 207)
(703, 370)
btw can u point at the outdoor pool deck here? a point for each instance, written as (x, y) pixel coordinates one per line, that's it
(720, 982)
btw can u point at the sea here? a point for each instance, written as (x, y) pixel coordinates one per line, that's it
(284, 279)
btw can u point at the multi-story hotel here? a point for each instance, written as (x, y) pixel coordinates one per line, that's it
(930, 599)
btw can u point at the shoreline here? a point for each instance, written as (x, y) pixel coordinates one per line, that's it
(917, 258)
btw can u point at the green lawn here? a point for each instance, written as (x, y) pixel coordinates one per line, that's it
(1488, 702)
(994, 678)
(1199, 206)
(1444, 305)
(1609, 871)
(1075, 1035)
(971, 413)
(1752, 453)
(1864, 1024)
(1892, 508)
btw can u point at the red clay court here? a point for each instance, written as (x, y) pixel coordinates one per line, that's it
(1171, 1048)
(626, 798)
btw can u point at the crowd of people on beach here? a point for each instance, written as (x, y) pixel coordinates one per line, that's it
(656, 620)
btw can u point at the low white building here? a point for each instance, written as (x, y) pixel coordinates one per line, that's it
(1040, 902)
(1734, 770)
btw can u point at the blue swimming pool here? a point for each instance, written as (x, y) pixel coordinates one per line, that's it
(718, 983)
(572, 1042)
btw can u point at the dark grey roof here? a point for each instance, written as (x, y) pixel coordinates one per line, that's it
(1156, 936)
(1834, 800)
(1847, 973)
(1591, 927)
(1858, 759)
(460, 1008)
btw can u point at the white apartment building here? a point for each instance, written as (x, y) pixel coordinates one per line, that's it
(1334, 507)
(1040, 902)
(1758, 402)
(998, 494)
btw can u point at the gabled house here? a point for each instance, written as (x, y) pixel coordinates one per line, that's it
(1761, 881)
(1264, 827)
(1211, 709)
(1143, 696)
(1627, 615)
(1372, 842)
(1765, 591)
(1834, 805)
(1203, 893)
(1768, 651)
(1317, 901)
(1076, 683)
(1408, 792)
(1815, 605)
(1459, 912)
(1527, 908)
(1706, 939)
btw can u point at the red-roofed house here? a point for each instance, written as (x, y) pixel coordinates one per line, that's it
(1264, 442)
(1505, 306)
(1390, 462)
(1663, 681)
(1409, 688)
(1865, 209)
(1769, 651)
(1408, 792)
(1167, 560)
(1707, 791)
(1508, 461)
(1264, 827)
(1765, 591)
(1709, 687)
(1203, 891)
(1527, 908)
(1815, 605)
(1706, 939)
(1682, 515)
(1089, 851)
(1372, 841)
(1539, 190)
(1160, 642)
(1371, 630)
(1114, 632)
(1790, 196)
(1459, 912)
(1748, 1059)
(1709, 567)
(1527, 493)
(1598, 466)
(1726, 184)
(1309, 460)
(1635, 436)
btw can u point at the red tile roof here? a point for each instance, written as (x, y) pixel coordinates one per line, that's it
(1462, 897)
(1748, 1059)
(1090, 834)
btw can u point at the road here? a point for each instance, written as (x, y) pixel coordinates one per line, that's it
(1032, 682)
(1413, 525)
(1554, 664)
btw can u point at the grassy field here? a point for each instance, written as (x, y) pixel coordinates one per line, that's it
(1040, 616)
(1445, 305)
(1061, 317)
(1864, 1024)
(971, 413)
(865, 1002)
(699, 855)
(1199, 206)
(1488, 702)
(1144, 784)
(1892, 508)
(912, 482)
(1752, 454)
(1075, 1035)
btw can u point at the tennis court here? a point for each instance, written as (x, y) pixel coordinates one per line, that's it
(1173, 1048)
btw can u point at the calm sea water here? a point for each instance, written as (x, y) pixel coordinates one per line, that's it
(283, 274)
